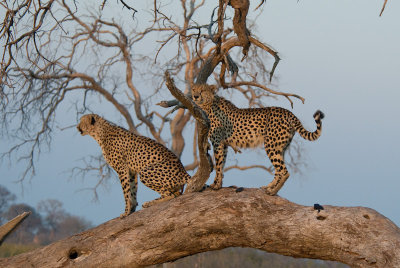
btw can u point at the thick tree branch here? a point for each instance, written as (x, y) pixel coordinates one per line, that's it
(213, 220)
(214, 59)
(203, 125)
(239, 23)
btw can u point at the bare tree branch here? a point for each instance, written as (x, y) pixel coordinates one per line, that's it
(82, 56)
(270, 51)
(239, 23)
(205, 166)
(268, 169)
(254, 84)
(98, 167)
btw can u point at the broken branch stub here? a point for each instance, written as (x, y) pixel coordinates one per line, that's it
(7, 228)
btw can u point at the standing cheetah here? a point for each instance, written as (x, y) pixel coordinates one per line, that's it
(249, 128)
(129, 154)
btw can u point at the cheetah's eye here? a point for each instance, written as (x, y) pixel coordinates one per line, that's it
(92, 121)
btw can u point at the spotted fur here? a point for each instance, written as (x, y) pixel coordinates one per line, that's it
(248, 128)
(129, 154)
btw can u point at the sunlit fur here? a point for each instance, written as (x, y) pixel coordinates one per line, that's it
(129, 154)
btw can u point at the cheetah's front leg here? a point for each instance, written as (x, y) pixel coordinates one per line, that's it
(129, 187)
(220, 151)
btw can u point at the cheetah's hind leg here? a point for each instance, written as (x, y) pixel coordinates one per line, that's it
(276, 184)
(164, 197)
(220, 152)
(275, 154)
(128, 180)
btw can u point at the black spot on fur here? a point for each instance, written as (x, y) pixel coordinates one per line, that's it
(204, 187)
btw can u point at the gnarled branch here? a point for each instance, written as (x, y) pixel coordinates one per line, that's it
(203, 125)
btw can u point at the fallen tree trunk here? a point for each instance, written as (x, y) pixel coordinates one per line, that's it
(211, 220)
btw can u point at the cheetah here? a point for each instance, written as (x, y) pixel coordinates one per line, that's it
(248, 128)
(129, 154)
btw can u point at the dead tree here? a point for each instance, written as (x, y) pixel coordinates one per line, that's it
(194, 222)
(212, 220)
(99, 57)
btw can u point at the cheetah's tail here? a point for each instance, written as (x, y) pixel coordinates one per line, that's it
(187, 178)
(311, 136)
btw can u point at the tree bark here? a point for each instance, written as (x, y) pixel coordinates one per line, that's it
(211, 220)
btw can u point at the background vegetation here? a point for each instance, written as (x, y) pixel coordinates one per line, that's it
(47, 223)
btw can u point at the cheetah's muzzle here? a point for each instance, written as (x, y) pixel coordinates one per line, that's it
(80, 130)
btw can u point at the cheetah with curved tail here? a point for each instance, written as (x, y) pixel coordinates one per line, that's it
(129, 154)
(248, 128)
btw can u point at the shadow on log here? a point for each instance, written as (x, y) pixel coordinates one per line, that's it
(212, 220)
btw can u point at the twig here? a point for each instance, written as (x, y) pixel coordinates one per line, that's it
(269, 170)
(250, 83)
(383, 8)
(270, 51)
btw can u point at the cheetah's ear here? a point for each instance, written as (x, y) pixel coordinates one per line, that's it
(213, 88)
(92, 121)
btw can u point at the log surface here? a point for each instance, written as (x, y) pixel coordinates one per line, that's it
(212, 220)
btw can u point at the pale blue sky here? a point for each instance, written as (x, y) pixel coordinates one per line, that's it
(343, 59)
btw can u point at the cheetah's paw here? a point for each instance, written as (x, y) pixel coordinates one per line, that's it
(147, 204)
(215, 186)
(123, 215)
(269, 190)
(130, 211)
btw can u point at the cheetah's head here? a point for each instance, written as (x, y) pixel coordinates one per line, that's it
(88, 124)
(203, 95)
